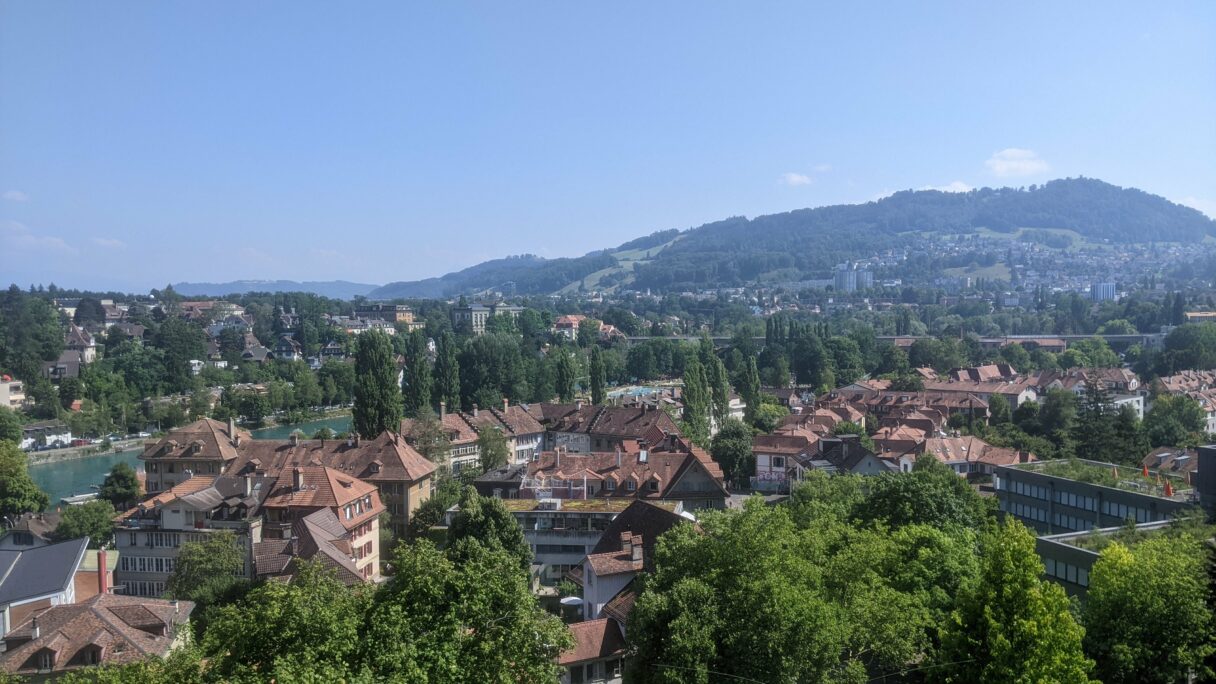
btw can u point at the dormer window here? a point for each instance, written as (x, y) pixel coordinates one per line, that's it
(654, 485)
(631, 485)
(609, 485)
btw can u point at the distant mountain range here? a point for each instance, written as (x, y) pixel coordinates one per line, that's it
(807, 243)
(335, 289)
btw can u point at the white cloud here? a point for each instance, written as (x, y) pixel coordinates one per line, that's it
(795, 179)
(18, 237)
(1207, 206)
(1013, 161)
(14, 196)
(956, 186)
(109, 243)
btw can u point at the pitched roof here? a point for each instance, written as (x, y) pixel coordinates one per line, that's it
(126, 628)
(385, 458)
(621, 605)
(626, 422)
(664, 464)
(322, 488)
(320, 536)
(39, 571)
(593, 640)
(204, 439)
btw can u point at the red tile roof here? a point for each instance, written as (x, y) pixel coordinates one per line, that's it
(593, 640)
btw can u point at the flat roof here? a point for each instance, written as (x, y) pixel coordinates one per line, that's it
(1126, 478)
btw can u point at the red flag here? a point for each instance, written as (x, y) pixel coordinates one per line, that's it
(1169, 489)
(1145, 471)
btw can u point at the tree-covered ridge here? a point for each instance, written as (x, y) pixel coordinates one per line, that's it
(807, 242)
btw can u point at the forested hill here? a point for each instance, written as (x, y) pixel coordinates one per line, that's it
(806, 243)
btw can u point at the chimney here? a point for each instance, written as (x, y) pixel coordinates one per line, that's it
(474, 410)
(236, 440)
(627, 542)
(298, 477)
(248, 478)
(618, 456)
(443, 410)
(232, 429)
(636, 551)
(295, 439)
(103, 579)
(34, 631)
(506, 404)
(578, 405)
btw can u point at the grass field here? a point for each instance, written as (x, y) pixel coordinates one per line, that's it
(628, 261)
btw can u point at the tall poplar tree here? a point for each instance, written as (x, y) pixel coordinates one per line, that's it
(447, 372)
(598, 379)
(564, 373)
(418, 381)
(696, 401)
(377, 394)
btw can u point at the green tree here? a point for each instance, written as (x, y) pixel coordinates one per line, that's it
(1093, 432)
(70, 390)
(121, 486)
(94, 520)
(418, 383)
(18, 493)
(749, 389)
(487, 521)
(1146, 614)
(564, 374)
(732, 449)
(696, 402)
(180, 342)
(431, 512)
(447, 371)
(588, 332)
(208, 572)
(304, 630)
(705, 585)
(494, 452)
(1129, 435)
(932, 494)
(768, 415)
(1174, 420)
(598, 393)
(10, 426)
(427, 436)
(377, 394)
(1011, 625)
(464, 616)
(999, 412)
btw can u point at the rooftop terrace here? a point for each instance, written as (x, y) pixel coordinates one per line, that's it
(1149, 482)
(581, 505)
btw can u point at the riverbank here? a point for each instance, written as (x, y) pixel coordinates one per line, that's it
(82, 452)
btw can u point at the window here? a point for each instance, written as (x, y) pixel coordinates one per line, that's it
(46, 660)
(631, 485)
(609, 485)
(654, 485)
(778, 461)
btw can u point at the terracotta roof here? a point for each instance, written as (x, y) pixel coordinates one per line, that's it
(972, 449)
(782, 444)
(615, 421)
(385, 458)
(205, 439)
(125, 628)
(613, 563)
(319, 536)
(665, 464)
(594, 640)
(194, 484)
(322, 488)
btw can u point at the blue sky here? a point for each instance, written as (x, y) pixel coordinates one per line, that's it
(146, 143)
